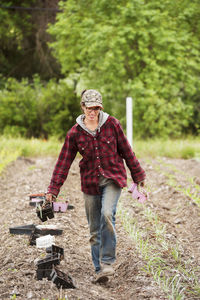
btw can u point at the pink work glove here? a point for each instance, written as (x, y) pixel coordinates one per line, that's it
(138, 192)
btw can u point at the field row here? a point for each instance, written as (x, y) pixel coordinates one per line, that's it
(156, 229)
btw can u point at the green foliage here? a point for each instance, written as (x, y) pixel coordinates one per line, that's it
(23, 38)
(178, 148)
(148, 50)
(58, 108)
(13, 147)
(145, 49)
(37, 110)
(18, 109)
(6, 157)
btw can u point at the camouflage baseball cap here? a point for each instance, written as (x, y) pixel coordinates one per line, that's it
(91, 98)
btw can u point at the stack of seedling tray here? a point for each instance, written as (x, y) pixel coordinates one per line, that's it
(42, 236)
(46, 268)
(53, 258)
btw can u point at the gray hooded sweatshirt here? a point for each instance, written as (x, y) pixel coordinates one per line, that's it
(103, 116)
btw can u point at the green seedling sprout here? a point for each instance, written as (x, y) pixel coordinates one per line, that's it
(170, 273)
(40, 209)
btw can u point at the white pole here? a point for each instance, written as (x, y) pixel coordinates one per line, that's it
(129, 120)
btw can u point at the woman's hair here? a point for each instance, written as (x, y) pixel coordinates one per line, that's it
(82, 103)
(83, 93)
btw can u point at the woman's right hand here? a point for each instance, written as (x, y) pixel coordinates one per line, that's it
(50, 197)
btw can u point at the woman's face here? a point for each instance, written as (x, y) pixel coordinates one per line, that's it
(91, 113)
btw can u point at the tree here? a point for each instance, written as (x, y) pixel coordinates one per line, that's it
(145, 49)
(24, 41)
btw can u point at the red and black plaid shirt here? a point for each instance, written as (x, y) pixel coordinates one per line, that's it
(102, 154)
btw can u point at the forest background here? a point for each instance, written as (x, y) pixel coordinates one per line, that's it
(51, 50)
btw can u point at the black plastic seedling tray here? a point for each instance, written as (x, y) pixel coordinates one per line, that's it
(22, 229)
(36, 199)
(33, 237)
(46, 212)
(43, 273)
(45, 231)
(49, 261)
(61, 279)
(28, 229)
(56, 250)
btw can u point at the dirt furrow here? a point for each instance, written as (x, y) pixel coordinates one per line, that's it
(18, 270)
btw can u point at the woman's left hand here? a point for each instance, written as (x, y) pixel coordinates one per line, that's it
(141, 189)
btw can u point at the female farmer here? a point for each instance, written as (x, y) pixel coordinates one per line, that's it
(100, 140)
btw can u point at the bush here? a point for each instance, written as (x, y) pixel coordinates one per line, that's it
(58, 108)
(37, 110)
(18, 109)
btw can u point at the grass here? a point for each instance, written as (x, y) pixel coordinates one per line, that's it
(11, 148)
(7, 157)
(177, 278)
(180, 148)
(30, 147)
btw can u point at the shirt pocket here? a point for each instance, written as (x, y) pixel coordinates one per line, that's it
(84, 148)
(108, 146)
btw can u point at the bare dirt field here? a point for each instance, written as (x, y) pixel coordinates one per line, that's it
(172, 207)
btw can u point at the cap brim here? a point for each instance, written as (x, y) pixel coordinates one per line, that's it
(92, 104)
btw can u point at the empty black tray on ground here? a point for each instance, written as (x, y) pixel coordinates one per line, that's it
(62, 279)
(32, 228)
(22, 229)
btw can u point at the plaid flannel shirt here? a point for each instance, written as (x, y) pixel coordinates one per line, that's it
(102, 154)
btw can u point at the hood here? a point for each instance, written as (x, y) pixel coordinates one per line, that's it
(103, 116)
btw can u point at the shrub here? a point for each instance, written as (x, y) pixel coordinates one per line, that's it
(36, 109)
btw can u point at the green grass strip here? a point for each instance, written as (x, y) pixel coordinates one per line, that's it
(7, 157)
(174, 281)
(180, 148)
(12, 148)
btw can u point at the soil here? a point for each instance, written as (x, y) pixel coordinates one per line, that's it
(177, 212)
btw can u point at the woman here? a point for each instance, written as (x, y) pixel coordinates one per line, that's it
(100, 140)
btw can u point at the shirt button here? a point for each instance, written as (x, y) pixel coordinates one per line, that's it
(96, 147)
(97, 157)
(95, 139)
(99, 166)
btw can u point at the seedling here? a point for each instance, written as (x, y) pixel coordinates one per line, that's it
(45, 212)
(170, 272)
